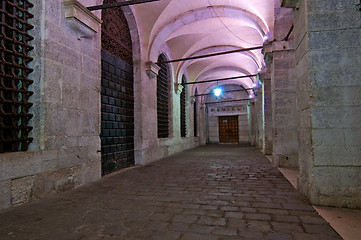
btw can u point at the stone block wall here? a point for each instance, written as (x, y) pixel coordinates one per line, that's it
(283, 88)
(215, 111)
(65, 151)
(328, 58)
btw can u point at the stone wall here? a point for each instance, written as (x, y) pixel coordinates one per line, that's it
(328, 50)
(148, 147)
(215, 111)
(65, 151)
(283, 87)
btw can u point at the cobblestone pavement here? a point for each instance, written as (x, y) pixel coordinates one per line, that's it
(221, 192)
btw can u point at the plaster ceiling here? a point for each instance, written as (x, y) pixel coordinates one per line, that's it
(186, 28)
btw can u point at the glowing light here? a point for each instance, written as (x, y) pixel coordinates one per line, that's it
(217, 92)
(265, 38)
(259, 70)
(251, 96)
(254, 85)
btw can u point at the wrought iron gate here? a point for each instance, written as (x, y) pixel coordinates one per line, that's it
(14, 71)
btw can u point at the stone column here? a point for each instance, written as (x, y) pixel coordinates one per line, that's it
(328, 50)
(265, 77)
(203, 124)
(283, 88)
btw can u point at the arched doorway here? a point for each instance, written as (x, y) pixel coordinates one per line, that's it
(117, 92)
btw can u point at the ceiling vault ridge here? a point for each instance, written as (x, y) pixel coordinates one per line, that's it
(177, 22)
(250, 54)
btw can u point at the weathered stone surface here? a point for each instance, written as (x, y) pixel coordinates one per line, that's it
(21, 190)
(169, 198)
(328, 100)
(5, 201)
(66, 133)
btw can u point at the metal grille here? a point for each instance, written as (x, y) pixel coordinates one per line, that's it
(117, 121)
(195, 117)
(162, 99)
(14, 82)
(116, 37)
(183, 108)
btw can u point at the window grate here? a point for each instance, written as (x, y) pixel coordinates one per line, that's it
(14, 71)
(183, 108)
(195, 115)
(162, 98)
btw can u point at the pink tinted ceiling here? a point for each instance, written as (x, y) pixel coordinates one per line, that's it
(186, 28)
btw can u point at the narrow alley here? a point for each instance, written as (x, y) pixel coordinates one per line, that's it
(210, 192)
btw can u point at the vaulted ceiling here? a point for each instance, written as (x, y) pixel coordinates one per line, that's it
(187, 28)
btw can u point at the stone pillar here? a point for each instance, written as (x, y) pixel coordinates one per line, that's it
(203, 124)
(328, 50)
(265, 77)
(252, 123)
(283, 88)
(145, 108)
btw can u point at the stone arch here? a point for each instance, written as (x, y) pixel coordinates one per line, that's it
(160, 35)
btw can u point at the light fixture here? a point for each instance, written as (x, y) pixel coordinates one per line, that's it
(254, 85)
(217, 91)
(265, 38)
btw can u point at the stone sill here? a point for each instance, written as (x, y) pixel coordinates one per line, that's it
(81, 19)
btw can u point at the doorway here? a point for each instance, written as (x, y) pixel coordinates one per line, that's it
(228, 129)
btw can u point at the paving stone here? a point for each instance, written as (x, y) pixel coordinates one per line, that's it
(286, 227)
(169, 235)
(278, 236)
(236, 223)
(303, 236)
(285, 218)
(161, 216)
(250, 235)
(196, 228)
(224, 231)
(320, 229)
(209, 207)
(258, 226)
(212, 221)
(195, 236)
(312, 220)
(257, 216)
(185, 218)
(229, 209)
(210, 192)
(234, 215)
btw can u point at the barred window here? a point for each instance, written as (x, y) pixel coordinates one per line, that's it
(162, 98)
(183, 125)
(14, 71)
(195, 116)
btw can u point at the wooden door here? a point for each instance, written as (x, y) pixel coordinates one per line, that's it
(228, 129)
